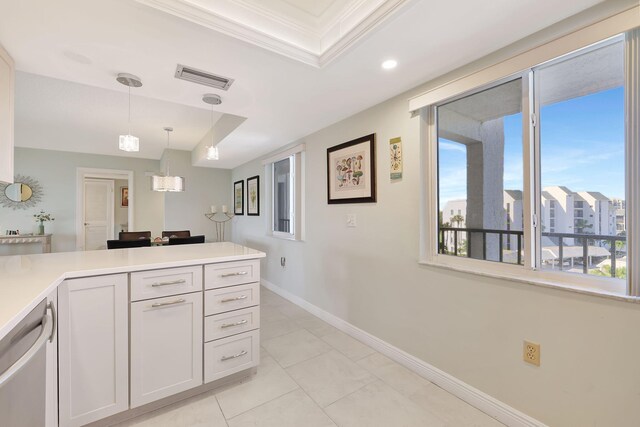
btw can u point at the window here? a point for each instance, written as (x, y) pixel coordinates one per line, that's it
(283, 195)
(482, 134)
(284, 171)
(537, 162)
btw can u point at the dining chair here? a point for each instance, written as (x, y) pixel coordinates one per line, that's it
(134, 235)
(185, 240)
(122, 244)
(172, 234)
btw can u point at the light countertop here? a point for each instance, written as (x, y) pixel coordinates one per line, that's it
(26, 280)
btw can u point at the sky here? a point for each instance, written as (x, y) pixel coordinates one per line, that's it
(581, 144)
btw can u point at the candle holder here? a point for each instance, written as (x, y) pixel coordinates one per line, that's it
(219, 224)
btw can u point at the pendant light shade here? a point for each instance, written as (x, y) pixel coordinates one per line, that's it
(212, 99)
(129, 142)
(167, 182)
(212, 153)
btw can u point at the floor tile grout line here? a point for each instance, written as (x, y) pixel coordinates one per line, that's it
(319, 406)
(264, 403)
(408, 398)
(221, 411)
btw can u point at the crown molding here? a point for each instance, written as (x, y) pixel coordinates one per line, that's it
(279, 34)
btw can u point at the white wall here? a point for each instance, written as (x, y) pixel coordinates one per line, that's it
(469, 326)
(203, 187)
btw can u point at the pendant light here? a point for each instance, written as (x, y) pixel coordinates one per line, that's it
(129, 142)
(167, 182)
(212, 99)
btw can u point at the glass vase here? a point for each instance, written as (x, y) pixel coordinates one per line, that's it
(41, 228)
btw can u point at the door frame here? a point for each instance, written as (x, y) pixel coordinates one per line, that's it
(81, 174)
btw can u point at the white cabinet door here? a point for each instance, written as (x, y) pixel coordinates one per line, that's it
(7, 85)
(166, 347)
(93, 348)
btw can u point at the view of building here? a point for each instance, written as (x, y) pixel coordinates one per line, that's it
(562, 211)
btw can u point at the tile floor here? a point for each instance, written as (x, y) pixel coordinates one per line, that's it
(313, 375)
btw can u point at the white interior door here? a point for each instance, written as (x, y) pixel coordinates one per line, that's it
(97, 213)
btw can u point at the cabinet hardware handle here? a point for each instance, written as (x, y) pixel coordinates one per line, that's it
(242, 353)
(161, 304)
(234, 299)
(228, 325)
(172, 282)
(239, 273)
(45, 335)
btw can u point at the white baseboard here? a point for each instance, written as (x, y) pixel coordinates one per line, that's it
(487, 404)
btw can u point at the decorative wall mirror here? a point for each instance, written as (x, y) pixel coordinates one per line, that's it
(24, 193)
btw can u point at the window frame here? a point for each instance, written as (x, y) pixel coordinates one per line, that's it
(296, 154)
(532, 194)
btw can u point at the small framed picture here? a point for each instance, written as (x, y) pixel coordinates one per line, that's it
(238, 197)
(351, 171)
(124, 197)
(253, 195)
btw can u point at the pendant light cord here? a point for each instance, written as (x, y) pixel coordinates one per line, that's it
(129, 110)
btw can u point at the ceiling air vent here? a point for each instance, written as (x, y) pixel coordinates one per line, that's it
(202, 77)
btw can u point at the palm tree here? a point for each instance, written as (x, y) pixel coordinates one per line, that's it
(457, 219)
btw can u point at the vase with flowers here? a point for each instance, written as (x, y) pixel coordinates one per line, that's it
(42, 217)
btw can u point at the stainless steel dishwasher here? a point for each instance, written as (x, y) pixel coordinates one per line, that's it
(23, 369)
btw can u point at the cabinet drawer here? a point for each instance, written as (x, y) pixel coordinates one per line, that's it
(231, 273)
(232, 323)
(165, 282)
(233, 298)
(230, 355)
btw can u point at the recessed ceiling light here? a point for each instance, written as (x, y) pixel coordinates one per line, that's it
(389, 64)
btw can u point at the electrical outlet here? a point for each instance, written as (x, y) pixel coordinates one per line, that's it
(351, 220)
(531, 353)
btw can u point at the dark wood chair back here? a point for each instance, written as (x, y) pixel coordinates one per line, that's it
(122, 244)
(186, 240)
(134, 235)
(172, 234)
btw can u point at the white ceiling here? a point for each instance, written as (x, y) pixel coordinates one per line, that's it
(314, 33)
(90, 42)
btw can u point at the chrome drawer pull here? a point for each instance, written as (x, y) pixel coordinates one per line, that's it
(225, 358)
(228, 325)
(239, 273)
(173, 282)
(234, 299)
(162, 304)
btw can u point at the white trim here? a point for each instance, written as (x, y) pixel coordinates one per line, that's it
(487, 404)
(259, 26)
(81, 174)
(578, 39)
(7, 137)
(284, 154)
(632, 158)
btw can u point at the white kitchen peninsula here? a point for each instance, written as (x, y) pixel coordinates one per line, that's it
(139, 327)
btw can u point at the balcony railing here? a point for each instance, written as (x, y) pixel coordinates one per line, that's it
(468, 232)
(460, 239)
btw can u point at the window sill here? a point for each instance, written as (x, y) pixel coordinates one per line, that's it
(591, 285)
(284, 236)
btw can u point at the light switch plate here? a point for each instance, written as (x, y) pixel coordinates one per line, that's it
(351, 220)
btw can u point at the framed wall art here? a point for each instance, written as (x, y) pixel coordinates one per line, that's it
(395, 158)
(351, 171)
(124, 197)
(253, 195)
(238, 197)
